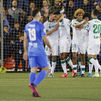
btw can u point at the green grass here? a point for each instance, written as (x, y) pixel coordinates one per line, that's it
(14, 87)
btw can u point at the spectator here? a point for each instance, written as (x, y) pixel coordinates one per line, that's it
(5, 21)
(23, 4)
(98, 7)
(29, 18)
(87, 6)
(57, 5)
(70, 9)
(14, 11)
(7, 41)
(15, 34)
(45, 10)
(32, 7)
(19, 53)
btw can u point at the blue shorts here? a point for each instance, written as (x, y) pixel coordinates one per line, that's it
(38, 61)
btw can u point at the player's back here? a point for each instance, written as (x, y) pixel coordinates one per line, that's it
(35, 32)
(94, 30)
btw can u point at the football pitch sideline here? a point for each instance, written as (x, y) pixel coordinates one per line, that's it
(14, 87)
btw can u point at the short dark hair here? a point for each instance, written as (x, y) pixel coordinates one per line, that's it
(5, 26)
(57, 12)
(35, 12)
(51, 10)
(95, 12)
(86, 15)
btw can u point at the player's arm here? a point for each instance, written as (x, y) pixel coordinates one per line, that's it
(47, 42)
(79, 25)
(25, 56)
(53, 30)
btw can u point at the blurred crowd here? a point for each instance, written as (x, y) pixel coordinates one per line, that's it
(17, 13)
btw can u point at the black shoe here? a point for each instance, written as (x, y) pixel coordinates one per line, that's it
(82, 75)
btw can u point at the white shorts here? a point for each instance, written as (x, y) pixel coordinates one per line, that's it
(80, 48)
(93, 49)
(64, 45)
(54, 46)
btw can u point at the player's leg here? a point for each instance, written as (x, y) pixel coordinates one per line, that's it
(94, 61)
(39, 61)
(90, 70)
(42, 63)
(74, 59)
(63, 64)
(33, 66)
(82, 64)
(93, 50)
(74, 64)
(54, 57)
(53, 66)
(79, 64)
(69, 61)
(49, 55)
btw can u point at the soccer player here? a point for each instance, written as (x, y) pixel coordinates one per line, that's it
(78, 41)
(94, 41)
(34, 35)
(64, 41)
(51, 27)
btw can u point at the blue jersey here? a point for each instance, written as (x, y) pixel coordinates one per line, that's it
(35, 31)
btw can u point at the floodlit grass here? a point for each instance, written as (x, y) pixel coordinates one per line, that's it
(14, 87)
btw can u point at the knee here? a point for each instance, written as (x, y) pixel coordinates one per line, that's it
(34, 70)
(46, 69)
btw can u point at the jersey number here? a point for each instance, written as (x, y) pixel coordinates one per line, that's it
(32, 34)
(97, 28)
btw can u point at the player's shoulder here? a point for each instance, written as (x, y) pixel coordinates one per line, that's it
(46, 22)
(66, 19)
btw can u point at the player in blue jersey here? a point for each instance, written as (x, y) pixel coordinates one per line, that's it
(34, 35)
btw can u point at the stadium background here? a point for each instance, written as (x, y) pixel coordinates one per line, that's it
(13, 23)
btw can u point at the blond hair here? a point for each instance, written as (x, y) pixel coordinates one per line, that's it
(79, 11)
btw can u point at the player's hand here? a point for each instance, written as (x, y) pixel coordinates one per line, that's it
(57, 26)
(25, 56)
(86, 20)
(62, 16)
(50, 50)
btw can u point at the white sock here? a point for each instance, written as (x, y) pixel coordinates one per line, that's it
(96, 65)
(49, 64)
(53, 67)
(90, 68)
(75, 68)
(70, 62)
(63, 64)
(79, 62)
(82, 69)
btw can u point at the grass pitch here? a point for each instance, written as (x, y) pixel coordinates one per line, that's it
(14, 87)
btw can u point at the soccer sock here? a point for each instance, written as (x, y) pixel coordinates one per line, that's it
(63, 64)
(82, 69)
(95, 63)
(75, 68)
(79, 62)
(53, 66)
(90, 68)
(40, 77)
(70, 62)
(32, 77)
